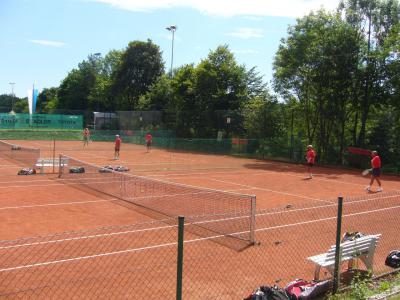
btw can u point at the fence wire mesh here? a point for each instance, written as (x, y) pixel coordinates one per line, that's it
(128, 262)
(139, 261)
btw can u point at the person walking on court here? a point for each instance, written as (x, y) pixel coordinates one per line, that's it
(310, 157)
(149, 141)
(376, 166)
(86, 137)
(117, 146)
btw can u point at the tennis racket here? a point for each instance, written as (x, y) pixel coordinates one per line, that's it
(366, 172)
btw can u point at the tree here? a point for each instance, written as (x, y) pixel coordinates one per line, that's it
(6, 102)
(140, 66)
(47, 100)
(75, 89)
(101, 97)
(315, 67)
(220, 85)
(373, 19)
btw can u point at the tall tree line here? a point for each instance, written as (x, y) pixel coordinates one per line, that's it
(339, 71)
(336, 83)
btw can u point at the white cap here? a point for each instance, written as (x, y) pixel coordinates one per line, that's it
(117, 135)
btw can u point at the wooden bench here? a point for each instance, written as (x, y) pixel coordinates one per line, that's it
(41, 163)
(362, 248)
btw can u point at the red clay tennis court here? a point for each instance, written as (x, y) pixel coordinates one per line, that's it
(63, 239)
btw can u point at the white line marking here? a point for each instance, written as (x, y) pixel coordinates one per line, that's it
(269, 190)
(327, 219)
(55, 204)
(215, 220)
(187, 241)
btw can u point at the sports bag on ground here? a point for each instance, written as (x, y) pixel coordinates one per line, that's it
(265, 292)
(77, 170)
(351, 236)
(106, 169)
(121, 169)
(27, 171)
(300, 289)
(393, 259)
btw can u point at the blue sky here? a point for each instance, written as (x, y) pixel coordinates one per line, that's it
(42, 40)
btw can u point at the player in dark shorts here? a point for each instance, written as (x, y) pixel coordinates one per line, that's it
(86, 137)
(310, 157)
(149, 141)
(117, 146)
(376, 166)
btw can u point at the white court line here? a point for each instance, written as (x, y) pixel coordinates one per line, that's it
(329, 218)
(108, 200)
(315, 178)
(90, 237)
(55, 204)
(273, 191)
(201, 222)
(187, 241)
(8, 166)
(88, 257)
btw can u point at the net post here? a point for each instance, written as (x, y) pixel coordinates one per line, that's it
(253, 219)
(60, 166)
(54, 154)
(338, 250)
(179, 264)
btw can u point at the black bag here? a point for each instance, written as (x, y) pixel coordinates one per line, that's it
(351, 236)
(393, 259)
(77, 170)
(265, 292)
(27, 171)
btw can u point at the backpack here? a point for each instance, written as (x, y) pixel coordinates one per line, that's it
(77, 170)
(121, 169)
(265, 292)
(106, 169)
(300, 289)
(27, 171)
(351, 236)
(393, 259)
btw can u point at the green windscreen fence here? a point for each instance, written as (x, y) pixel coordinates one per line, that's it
(40, 121)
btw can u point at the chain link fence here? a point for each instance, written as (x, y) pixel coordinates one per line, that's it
(141, 261)
(274, 132)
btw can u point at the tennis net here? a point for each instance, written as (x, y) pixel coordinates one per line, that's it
(22, 155)
(215, 212)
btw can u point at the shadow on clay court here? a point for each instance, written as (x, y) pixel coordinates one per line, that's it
(328, 172)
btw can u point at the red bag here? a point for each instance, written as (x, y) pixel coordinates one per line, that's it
(300, 289)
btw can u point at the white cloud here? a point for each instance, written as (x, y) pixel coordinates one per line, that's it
(247, 33)
(48, 43)
(229, 8)
(252, 18)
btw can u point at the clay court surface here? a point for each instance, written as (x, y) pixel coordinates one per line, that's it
(43, 205)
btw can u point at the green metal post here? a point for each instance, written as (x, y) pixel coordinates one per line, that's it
(179, 269)
(337, 251)
(54, 153)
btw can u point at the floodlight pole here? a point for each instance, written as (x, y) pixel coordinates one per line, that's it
(172, 29)
(97, 55)
(12, 96)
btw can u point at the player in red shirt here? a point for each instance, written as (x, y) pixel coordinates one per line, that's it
(310, 157)
(86, 137)
(117, 146)
(149, 141)
(376, 166)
